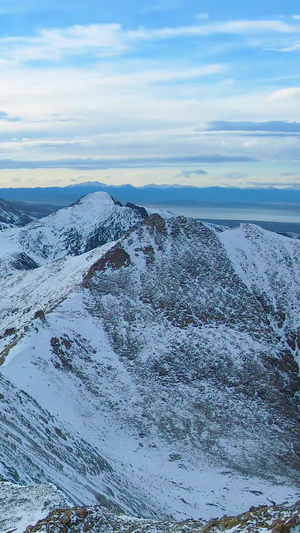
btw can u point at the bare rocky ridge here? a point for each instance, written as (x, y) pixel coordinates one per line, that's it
(276, 519)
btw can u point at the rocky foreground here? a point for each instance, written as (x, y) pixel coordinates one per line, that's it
(276, 519)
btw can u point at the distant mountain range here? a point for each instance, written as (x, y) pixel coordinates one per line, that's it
(167, 195)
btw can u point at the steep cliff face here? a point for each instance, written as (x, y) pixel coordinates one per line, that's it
(155, 373)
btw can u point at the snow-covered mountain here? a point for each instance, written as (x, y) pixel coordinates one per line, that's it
(19, 214)
(149, 363)
(92, 221)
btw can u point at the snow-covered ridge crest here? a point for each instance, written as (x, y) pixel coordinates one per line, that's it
(92, 221)
(184, 315)
(43, 262)
(269, 265)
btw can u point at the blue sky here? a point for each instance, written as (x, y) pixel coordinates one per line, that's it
(156, 91)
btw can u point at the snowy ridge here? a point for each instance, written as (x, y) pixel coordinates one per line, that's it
(269, 265)
(94, 220)
(27, 295)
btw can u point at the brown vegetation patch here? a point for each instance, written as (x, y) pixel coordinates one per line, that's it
(157, 223)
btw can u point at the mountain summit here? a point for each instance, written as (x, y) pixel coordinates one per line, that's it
(92, 221)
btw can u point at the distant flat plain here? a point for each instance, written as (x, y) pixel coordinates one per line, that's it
(279, 219)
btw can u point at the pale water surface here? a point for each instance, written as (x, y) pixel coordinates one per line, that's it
(291, 215)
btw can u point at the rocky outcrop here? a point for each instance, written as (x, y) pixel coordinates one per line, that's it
(276, 519)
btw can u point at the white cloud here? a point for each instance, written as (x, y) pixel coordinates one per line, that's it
(129, 106)
(28, 144)
(153, 76)
(291, 48)
(252, 143)
(227, 27)
(296, 17)
(284, 94)
(112, 39)
(104, 39)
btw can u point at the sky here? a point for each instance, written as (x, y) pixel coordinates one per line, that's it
(194, 92)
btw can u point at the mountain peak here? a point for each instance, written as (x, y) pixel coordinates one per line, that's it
(98, 196)
(92, 221)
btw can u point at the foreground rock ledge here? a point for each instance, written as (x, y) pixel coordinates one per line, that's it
(276, 519)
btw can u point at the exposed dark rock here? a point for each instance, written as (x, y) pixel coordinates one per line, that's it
(276, 519)
(9, 332)
(116, 258)
(22, 261)
(39, 315)
(141, 210)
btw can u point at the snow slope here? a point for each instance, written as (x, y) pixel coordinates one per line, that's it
(26, 295)
(21, 506)
(269, 265)
(151, 475)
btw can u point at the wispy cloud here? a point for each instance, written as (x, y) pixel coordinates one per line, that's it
(141, 162)
(164, 75)
(111, 39)
(41, 144)
(285, 49)
(202, 30)
(192, 173)
(93, 96)
(104, 39)
(285, 94)
(202, 16)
